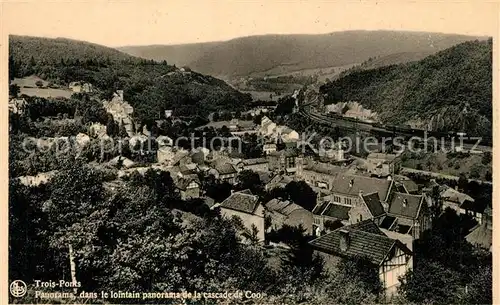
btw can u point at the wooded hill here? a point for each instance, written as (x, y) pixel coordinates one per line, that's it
(279, 54)
(451, 90)
(151, 87)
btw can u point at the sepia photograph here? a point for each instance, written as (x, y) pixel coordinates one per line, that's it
(249, 152)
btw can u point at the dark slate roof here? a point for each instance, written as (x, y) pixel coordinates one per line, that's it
(254, 161)
(183, 182)
(481, 236)
(283, 207)
(287, 152)
(225, 169)
(265, 177)
(337, 211)
(242, 202)
(412, 208)
(387, 222)
(363, 242)
(410, 185)
(373, 204)
(323, 168)
(341, 185)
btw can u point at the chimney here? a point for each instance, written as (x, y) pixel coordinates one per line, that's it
(344, 240)
(351, 182)
(405, 203)
(360, 193)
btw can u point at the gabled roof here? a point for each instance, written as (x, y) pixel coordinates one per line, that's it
(323, 168)
(365, 240)
(254, 161)
(405, 205)
(373, 204)
(182, 182)
(453, 195)
(342, 185)
(481, 236)
(225, 168)
(288, 152)
(241, 202)
(282, 207)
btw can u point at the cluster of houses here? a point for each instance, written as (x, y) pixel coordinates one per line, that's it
(364, 207)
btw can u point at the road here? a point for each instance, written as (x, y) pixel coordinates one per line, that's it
(440, 175)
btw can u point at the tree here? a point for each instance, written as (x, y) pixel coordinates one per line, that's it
(14, 90)
(431, 283)
(248, 179)
(39, 83)
(302, 194)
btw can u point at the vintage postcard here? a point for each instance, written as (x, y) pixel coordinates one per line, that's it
(249, 152)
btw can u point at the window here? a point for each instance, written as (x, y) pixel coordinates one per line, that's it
(347, 201)
(336, 199)
(360, 218)
(290, 162)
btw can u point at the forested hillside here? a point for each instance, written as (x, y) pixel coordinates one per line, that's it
(150, 86)
(258, 55)
(451, 90)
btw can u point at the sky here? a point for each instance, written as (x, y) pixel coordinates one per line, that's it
(118, 23)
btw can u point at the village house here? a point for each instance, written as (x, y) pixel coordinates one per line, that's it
(461, 203)
(17, 105)
(80, 87)
(285, 134)
(408, 215)
(278, 181)
(316, 173)
(97, 130)
(285, 212)
(269, 148)
(188, 186)
(365, 240)
(247, 207)
(368, 206)
(255, 164)
(121, 162)
(283, 161)
(482, 234)
(38, 179)
(405, 185)
(382, 164)
(224, 171)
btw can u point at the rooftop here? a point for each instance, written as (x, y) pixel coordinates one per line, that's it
(365, 240)
(353, 184)
(242, 202)
(373, 204)
(282, 207)
(405, 205)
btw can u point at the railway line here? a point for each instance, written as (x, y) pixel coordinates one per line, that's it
(450, 139)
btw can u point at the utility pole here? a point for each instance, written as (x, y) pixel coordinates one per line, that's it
(72, 266)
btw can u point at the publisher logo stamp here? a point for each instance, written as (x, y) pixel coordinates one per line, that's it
(18, 288)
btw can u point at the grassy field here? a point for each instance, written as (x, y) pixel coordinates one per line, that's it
(28, 87)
